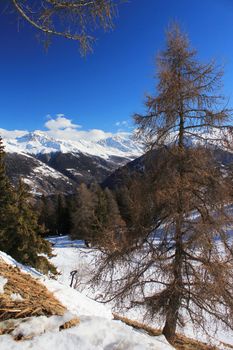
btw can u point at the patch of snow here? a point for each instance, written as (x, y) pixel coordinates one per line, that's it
(33, 326)
(65, 241)
(3, 282)
(44, 170)
(16, 297)
(28, 181)
(74, 172)
(27, 269)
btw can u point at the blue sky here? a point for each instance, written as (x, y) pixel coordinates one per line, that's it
(104, 89)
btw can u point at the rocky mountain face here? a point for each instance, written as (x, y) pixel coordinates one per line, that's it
(40, 178)
(52, 166)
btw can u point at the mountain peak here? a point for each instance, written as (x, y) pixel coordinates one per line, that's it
(39, 142)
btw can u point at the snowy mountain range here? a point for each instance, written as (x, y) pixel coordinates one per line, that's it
(38, 142)
(50, 165)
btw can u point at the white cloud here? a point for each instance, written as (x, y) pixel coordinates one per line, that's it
(61, 123)
(70, 134)
(62, 128)
(11, 134)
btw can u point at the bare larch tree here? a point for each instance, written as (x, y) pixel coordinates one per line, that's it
(179, 265)
(71, 19)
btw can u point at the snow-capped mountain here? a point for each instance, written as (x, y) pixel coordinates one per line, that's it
(51, 165)
(41, 178)
(38, 142)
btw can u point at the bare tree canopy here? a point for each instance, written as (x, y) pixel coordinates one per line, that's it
(72, 19)
(188, 102)
(178, 263)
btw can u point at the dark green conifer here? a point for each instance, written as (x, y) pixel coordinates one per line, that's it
(6, 201)
(20, 233)
(28, 243)
(84, 219)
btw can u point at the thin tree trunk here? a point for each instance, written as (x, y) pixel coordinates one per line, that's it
(169, 329)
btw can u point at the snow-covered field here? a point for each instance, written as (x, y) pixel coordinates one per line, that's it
(97, 329)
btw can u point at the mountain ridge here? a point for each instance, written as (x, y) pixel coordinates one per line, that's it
(51, 166)
(38, 142)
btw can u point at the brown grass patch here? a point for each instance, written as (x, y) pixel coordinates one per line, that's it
(185, 343)
(72, 323)
(181, 343)
(37, 300)
(138, 325)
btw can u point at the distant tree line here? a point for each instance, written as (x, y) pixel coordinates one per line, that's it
(95, 212)
(89, 215)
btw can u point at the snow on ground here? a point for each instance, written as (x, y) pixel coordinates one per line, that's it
(3, 282)
(16, 297)
(72, 255)
(9, 260)
(96, 331)
(93, 333)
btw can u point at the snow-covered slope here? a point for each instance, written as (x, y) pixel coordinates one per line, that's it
(38, 142)
(72, 255)
(41, 178)
(97, 329)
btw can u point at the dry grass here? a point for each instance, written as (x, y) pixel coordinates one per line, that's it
(138, 325)
(72, 323)
(185, 343)
(37, 300)
(181, 343)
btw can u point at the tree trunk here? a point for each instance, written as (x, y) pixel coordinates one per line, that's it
(169, 329)
(176, 291)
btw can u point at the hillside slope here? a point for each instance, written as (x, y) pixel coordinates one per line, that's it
(97, 329)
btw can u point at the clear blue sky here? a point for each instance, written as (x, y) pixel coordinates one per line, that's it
(110, 84)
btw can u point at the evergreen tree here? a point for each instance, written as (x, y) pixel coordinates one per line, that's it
(114, 229)
(84, 219)
(6, 202)
(125, 204)
(97, 218)
(25, 234)
(63, 215)
(100, 211)
(20, 234)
